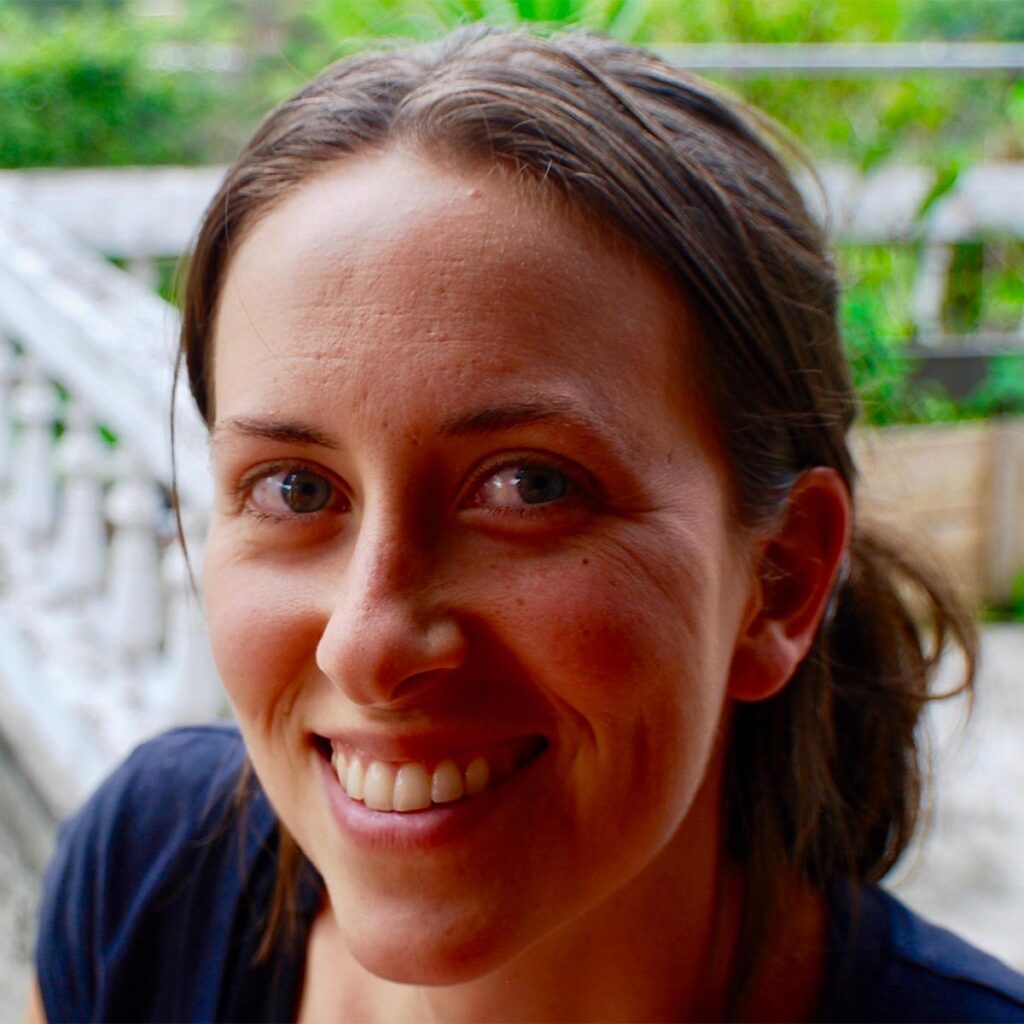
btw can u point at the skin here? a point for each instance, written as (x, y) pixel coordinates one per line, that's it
(383, 303)
(34, 1011)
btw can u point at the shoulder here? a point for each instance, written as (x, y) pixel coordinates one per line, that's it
(175, 780)
(888, 963)
(158, 839)
(957, 972)
(158, 801)
(194, 760)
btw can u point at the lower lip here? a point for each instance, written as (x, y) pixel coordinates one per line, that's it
(432, 827)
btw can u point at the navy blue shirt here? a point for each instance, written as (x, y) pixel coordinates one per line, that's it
(154, 904)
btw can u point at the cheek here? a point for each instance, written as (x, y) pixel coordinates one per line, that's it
(634, 651)
(616, 630)
(263, 634)
(635, 670)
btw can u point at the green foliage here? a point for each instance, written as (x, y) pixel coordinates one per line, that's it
(1002, 284)
(1011, 610)
(1016, 603)
(429, 18)
(957, 19)
(872, 314)
(882, 372)
(77, 85)
(1001, 392)
(875, 323)
(932, 118)
(75, 92)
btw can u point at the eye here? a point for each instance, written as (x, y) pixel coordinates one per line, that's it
(292, 492)
(524, 485)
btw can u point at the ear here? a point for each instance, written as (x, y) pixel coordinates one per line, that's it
(797, 568)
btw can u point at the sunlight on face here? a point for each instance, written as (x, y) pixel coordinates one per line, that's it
(469, 508)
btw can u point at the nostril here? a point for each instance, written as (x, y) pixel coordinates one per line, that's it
(414, 686)
(379, 659)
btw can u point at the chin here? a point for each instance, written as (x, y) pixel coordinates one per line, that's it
(457, 968)
(431, 953)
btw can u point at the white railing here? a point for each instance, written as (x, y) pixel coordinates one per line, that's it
(101, 635)
(840, 60)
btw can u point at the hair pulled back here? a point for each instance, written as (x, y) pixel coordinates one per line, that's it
(824, 779)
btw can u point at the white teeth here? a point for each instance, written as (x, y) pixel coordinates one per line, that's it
(478, 774)
(446, 784)
(379, 786)
(412, 787)
(408, 787)
(354, 779)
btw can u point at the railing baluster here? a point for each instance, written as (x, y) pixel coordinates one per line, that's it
(80, 547)
(144, 270)
(190, 673)
(8, 375)
(32, 484)
(134, 609)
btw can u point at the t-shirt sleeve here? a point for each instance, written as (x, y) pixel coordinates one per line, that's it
(67, 941)
(962, 982)
(885, 963)
(114, 860)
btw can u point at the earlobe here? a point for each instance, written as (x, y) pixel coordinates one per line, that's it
(797, 569)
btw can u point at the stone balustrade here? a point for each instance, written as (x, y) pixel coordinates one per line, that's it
(101, 633)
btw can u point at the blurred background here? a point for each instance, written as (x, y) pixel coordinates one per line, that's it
(116, 117)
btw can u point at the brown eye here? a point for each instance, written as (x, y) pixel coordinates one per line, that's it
(292, 492)
(303, 491)
(524, 485)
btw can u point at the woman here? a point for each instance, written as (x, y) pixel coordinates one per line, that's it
(571, 686)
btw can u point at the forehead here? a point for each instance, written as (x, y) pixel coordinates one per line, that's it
(468, 278)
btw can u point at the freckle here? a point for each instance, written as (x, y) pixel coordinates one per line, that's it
(520, 602)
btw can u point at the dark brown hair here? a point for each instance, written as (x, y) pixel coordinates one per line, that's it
(824, 780)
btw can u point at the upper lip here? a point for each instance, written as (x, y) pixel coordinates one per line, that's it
(429, 747)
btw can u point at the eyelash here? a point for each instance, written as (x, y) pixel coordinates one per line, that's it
(244, 502)
(580, 489)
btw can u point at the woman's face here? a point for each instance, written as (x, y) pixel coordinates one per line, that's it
(472, 528)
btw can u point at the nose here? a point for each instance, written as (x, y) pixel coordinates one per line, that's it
(391, 630)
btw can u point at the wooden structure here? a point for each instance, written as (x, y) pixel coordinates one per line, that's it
(957, 491)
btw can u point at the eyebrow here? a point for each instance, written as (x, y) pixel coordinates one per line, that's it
(487, 420)
(282, 430)
(494, 419)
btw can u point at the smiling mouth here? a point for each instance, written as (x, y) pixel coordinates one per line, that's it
(406, 786)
